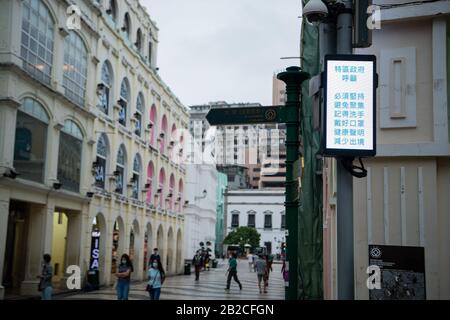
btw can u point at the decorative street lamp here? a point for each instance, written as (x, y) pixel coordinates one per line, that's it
(293, 77)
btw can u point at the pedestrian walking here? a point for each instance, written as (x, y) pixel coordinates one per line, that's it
(205, 259)
(232, 272)
(262, 271)
(197, 261)
(155, 256)
(123, 277)
(284, 271)
(250, 262)
(269, 260)
(156, 277)
(45, 279)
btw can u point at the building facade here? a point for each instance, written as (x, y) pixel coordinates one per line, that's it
(404, 200)
(200, 209)
(257, 147)
(279, 97)
(272, 174)
(94, 135)
(260, 209)
(222, 185)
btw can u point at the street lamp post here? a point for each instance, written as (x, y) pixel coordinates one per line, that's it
(293, 77)
(289, 114)
(345, 258)
(336, 34)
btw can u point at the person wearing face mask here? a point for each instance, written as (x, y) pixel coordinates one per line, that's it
(156, 277)
(123, 277)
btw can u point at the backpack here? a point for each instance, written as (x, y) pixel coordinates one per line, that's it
(197, 260)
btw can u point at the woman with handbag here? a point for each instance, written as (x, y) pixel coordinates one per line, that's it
(156, 277)
(45, 279)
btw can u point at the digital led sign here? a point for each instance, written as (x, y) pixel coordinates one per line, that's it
(349, 114)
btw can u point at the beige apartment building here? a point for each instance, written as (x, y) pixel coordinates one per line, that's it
(95, 137)
(404, 200)
(278, 91)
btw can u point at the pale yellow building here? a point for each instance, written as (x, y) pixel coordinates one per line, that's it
(94, 134)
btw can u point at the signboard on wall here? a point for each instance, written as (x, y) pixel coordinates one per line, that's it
(402, 272)
(349, 115)
(95, 250)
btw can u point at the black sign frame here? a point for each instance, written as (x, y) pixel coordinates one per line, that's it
(245, 115)
(331, 152)
(400, 260)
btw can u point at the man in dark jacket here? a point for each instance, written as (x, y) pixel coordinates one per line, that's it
(154, 257)
(197, 261)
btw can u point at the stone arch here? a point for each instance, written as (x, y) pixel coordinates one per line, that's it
(98, 224)
(42, 103)
(170, 257)
(179, 250)
(160, 241)
(171, 195)
(148, 244)
(135, 248)
(84, 40)
(118, 242)
(76, 123)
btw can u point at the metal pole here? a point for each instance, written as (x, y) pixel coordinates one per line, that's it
(293, 77)
(345, 246)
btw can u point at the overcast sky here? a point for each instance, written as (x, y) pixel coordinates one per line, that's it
(224, 50)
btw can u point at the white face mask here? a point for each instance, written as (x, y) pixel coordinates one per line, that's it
(124, 261)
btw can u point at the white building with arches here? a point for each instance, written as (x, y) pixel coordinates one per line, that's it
(95, 138)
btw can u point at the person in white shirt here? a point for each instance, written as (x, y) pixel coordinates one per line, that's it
(250, 262)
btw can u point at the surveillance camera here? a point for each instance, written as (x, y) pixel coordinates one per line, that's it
(315, 11)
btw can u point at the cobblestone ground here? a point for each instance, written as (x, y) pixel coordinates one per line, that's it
(210, 287)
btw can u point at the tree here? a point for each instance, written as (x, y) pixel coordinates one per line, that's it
(242, 236)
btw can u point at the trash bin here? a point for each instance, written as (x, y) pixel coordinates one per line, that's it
(93, 282)
(214, 264)
(187, 269)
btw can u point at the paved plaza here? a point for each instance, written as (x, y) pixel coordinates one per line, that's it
(210, 287)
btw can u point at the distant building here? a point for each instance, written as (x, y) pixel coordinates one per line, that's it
(237, 176)
(278, 91)
(260, 209)
(273, 167)
(200, 210)
(222, 182)
(239, 150)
